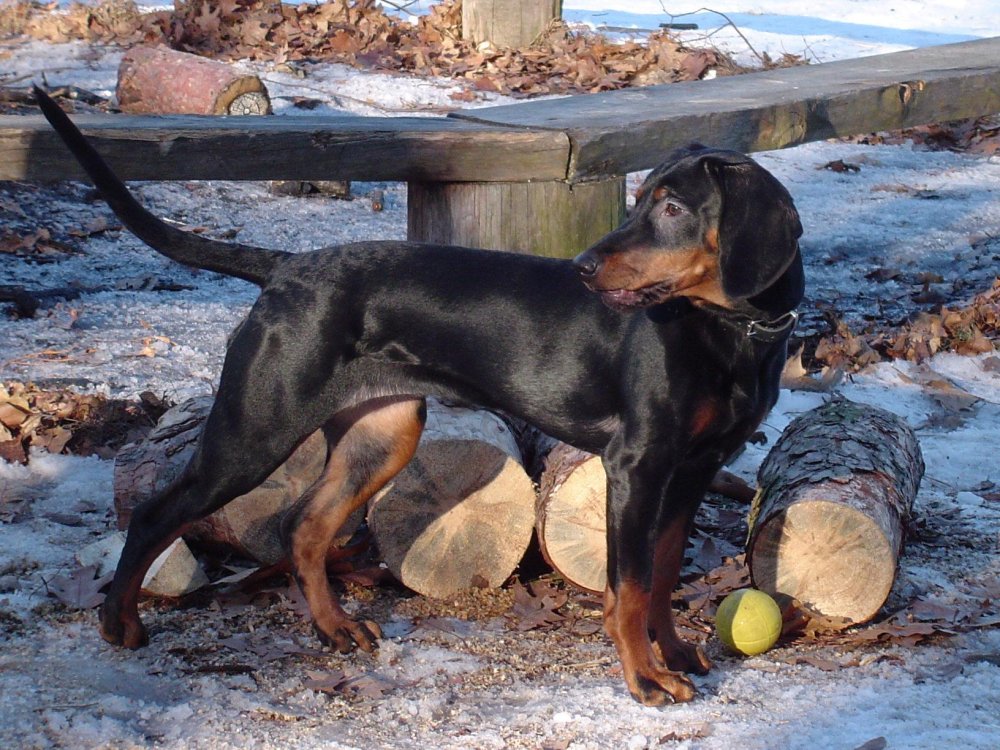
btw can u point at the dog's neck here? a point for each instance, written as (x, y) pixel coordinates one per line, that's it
(768, 316)
(782, 297)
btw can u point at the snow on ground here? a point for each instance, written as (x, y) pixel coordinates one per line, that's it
(818, 31)
(480, 685)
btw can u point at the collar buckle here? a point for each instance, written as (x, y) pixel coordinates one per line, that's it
(772, 330)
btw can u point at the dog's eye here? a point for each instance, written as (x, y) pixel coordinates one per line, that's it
(672, 209)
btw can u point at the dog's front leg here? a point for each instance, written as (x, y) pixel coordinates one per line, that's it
(636, 488)
(682, 497)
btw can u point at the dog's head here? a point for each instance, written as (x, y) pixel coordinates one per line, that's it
(708, 224)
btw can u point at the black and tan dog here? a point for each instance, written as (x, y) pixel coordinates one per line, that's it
(659, 348)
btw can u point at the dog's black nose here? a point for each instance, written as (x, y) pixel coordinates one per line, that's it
(586, 264)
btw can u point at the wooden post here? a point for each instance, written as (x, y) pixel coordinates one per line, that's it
(507, 23)
(555, 219)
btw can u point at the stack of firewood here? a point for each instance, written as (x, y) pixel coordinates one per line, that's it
(826, 525)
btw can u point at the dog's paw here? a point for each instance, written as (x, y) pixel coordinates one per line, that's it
(679, 656)
(122, 631)
(660, 687)
(350, 634)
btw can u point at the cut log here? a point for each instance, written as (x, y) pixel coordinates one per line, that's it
(250, 524)
(461, 513)
(507, 23)
(571, 516)
(160, 80)
(827, 525)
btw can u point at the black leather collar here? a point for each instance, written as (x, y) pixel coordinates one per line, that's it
(750, 321)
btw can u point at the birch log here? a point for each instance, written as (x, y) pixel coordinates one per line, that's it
(835, 493)
(461, 513)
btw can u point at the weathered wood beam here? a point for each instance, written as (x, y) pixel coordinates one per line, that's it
(186, 147)
(623, 131)
(507, 23)
(574, 138)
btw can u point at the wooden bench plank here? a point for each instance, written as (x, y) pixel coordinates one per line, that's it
(624, 131)
(186, 147)
(576, 138)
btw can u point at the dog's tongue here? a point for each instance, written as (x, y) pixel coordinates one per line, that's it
(621, 298)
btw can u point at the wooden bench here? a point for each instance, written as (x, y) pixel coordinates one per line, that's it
(541, 176)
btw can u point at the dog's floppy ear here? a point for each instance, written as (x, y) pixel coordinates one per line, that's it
(758, 225)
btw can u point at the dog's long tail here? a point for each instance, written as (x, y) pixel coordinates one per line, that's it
(253, 264)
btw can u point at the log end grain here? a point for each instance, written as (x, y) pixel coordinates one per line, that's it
(572, 518)
(459, 514)
(828, 523)
(833, 558)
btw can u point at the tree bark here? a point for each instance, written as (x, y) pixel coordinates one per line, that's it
(159, 80)
(460, 514)
(828, 523)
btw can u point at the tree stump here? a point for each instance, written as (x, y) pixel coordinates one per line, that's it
(827, 525)
(571, 516)
(250, 524)
(507, 23)
(160, 80)
(460, 514)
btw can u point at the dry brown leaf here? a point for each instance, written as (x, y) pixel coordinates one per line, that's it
(367, 685)
(359, 32)
(535, 605)
(80, 589)
(63, 420)
(795, 377)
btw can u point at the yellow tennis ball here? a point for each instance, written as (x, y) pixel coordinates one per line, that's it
(748, 622)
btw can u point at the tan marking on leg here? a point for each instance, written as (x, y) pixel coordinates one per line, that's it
(393, 430)
(677, 654)
(626, 615)
(705, 415)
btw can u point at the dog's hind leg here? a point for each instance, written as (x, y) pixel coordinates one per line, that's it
(236, 452)
(369, 444)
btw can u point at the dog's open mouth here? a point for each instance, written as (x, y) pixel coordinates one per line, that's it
(632, 299)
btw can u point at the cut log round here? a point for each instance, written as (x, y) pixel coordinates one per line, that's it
(827, 525)
(160, 80)
(461, 513)
(250, 524)
(571, 516)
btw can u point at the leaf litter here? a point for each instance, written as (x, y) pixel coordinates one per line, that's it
(360, 33)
